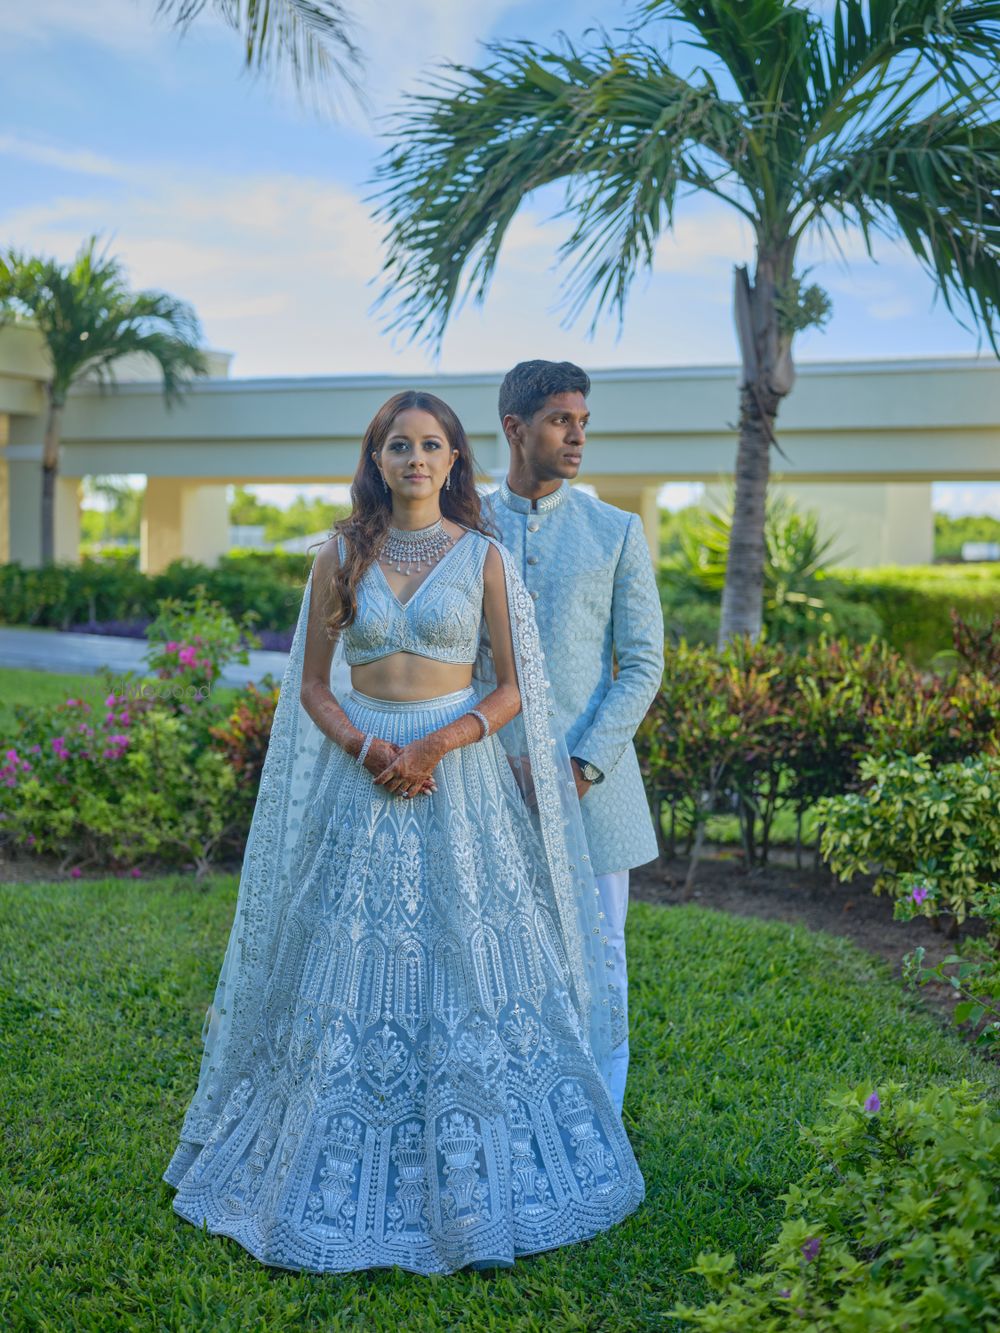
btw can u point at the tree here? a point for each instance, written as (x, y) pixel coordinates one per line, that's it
(89, 319)
(881, 115)
(311, 38)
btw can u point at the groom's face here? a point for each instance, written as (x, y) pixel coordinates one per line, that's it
(553, 439)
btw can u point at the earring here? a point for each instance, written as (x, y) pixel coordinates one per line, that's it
(447, 484)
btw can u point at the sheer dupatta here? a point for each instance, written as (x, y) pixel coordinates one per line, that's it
(284, 828)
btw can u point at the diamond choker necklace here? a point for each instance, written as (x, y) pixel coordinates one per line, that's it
(409, 551)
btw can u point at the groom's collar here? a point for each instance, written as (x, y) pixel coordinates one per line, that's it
(522, 505)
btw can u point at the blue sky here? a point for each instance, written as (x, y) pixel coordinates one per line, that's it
(226, 191)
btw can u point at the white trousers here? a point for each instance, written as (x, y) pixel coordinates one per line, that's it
(613, 890)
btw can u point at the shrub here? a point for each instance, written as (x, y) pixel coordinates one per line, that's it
(242, 739)
(896, 1226)
(193, 640)
(930, 831)
(915, 601)
(131, 786)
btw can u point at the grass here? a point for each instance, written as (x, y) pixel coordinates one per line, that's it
(21, 686)
(740, 1029)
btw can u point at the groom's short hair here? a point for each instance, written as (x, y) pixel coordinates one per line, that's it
(525, 388)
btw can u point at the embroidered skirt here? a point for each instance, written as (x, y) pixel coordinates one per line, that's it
(418, 1092)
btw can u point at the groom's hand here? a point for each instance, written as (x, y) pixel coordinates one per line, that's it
(582, 785)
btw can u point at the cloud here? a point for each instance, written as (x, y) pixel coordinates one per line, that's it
(122, 25)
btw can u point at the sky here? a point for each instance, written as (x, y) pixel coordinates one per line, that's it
(228, 192)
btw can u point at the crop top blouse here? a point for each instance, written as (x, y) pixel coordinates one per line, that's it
(441, 620)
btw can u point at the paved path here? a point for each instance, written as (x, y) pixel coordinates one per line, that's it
(52, 650)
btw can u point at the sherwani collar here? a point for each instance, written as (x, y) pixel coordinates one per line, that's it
(522, 505)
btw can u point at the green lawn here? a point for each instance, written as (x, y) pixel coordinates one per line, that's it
(740, 1028)
(21, 686)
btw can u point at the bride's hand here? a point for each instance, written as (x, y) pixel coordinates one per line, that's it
(381, 755)
(410, 772)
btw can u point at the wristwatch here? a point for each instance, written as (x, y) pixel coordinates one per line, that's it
(590, 772)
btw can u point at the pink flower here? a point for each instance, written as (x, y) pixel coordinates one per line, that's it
(172, 646)
(187, 656)
(109, 717)
(124, 717)
(11, 756)
(920, 894)
(110, 701)
(30, 840)
(136, 873)
(59, 743)
(76, 872)
(72, 703)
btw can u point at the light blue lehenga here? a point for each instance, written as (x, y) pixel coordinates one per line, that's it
(401, 1063)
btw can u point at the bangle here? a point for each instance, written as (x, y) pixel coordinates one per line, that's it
(362, 753)
(484, 720)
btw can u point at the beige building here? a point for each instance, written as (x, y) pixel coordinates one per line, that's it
(864, 442)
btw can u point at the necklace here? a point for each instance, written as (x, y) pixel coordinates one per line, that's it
(414, 549)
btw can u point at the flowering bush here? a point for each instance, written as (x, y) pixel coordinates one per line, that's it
(113, 789)
(896, 1225)
(242, 739)
(932, 834)
(193, 640)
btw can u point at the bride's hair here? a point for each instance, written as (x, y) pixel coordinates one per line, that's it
(365, 527)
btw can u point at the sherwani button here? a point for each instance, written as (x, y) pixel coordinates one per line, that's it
(533, 527)
(532, 559)
(534, 596)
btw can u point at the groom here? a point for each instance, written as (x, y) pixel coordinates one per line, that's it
(589, 573)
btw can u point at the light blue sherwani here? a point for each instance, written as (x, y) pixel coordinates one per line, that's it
(588, 570)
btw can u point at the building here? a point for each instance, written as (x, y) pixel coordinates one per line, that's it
(863, 442)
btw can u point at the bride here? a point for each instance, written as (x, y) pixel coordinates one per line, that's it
(404, 1060)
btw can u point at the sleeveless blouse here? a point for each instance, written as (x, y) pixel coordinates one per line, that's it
(441, 620)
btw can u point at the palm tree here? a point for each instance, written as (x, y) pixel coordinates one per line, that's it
(311, 38)
(881, 116)
(89, 319)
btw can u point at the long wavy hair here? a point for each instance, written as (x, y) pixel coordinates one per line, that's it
(365, 528)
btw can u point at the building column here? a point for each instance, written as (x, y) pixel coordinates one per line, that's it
(871, 523)
(66, 544)
(4, 490)
(635, 498)
(181, 518)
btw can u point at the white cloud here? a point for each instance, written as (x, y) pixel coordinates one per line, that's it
(123, 25)
(970, 497)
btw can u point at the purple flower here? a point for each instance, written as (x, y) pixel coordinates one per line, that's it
(11, 756)
(919, 894)
(135, 872)
(75, 873)
(785, 1293)
(873, 1104)
(811, 1248)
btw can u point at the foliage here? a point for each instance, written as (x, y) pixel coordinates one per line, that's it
(311, 39)
(976, 983)
(101, 590)
(799, 604)
(193, 640)
(242, 738)
(103, 988)
(894, 1226)
(915, 602)
(129, 787)
(89, 319)
(932, 833)
(304, 515)
(758, 729)
(977, 647)
(951, 533)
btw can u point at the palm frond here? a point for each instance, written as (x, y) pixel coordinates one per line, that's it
(312, 39)
(90, 319)
(620, 125)
(936, 181)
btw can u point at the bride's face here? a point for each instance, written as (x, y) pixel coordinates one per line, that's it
(416, 456)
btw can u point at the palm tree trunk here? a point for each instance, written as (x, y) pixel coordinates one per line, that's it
(767, 376)
(50, 470)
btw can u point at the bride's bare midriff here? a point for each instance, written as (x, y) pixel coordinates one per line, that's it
(406, 677)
